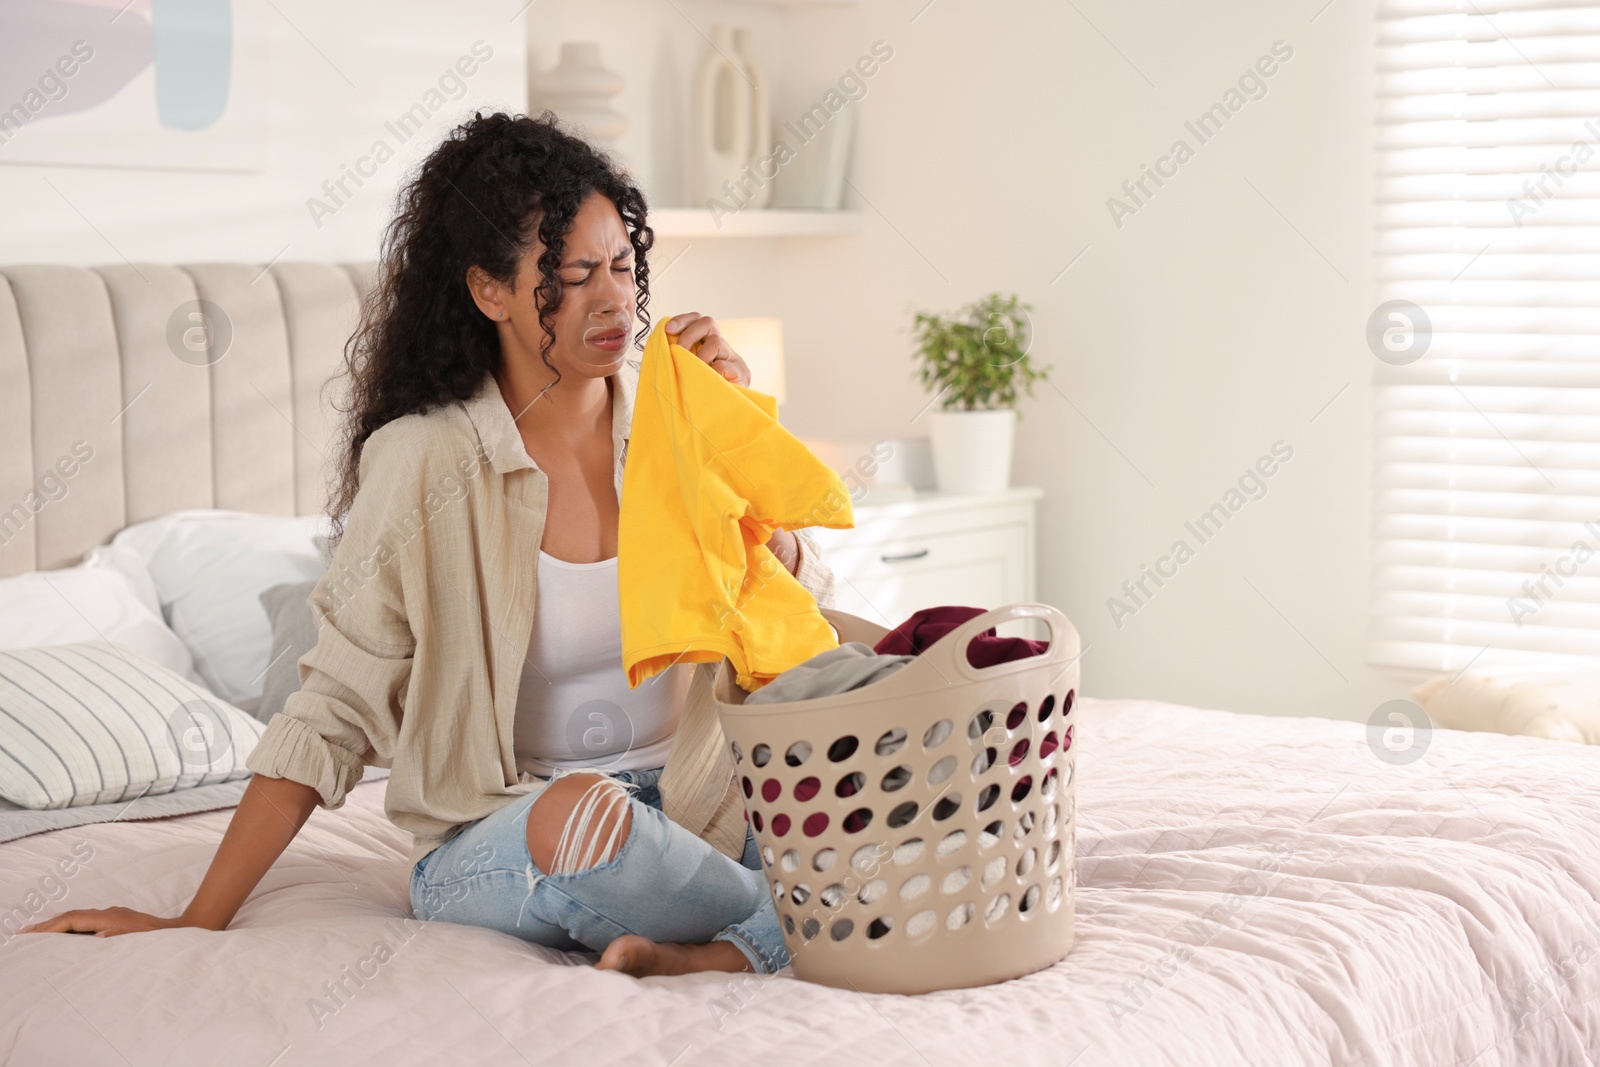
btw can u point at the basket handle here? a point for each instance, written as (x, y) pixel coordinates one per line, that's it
(951, 649)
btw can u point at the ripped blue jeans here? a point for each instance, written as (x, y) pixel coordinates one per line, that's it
(665, 883)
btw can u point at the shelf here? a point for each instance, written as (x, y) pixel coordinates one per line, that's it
(695, 222)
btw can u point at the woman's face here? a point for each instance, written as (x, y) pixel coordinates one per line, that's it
(594, 325)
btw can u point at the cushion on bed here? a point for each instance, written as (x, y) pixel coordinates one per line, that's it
(210, 567)
(91, 723)
(1560, 704)
(108, 597)
(294, 633)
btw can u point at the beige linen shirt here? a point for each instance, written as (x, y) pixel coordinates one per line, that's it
(423, 623)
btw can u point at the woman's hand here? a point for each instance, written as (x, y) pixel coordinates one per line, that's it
(786, 547)
(698, 333)
(103, 922)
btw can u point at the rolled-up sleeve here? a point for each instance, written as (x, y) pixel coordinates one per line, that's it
(812, 572)
(352, 683)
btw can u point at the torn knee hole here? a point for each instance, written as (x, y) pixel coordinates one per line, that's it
(595, 829)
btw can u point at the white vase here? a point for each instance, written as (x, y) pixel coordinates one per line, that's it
(972, 449)
(721, 133)
(579, 90)
(730, 152)
(760, 120)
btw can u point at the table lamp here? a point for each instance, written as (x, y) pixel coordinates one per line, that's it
(760, 342)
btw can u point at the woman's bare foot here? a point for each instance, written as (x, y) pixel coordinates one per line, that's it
(641, 957)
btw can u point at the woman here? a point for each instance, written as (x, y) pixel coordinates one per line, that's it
(491, 403)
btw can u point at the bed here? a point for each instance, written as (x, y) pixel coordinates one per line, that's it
(1250, 890)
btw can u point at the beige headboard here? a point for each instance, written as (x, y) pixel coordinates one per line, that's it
(110, 363)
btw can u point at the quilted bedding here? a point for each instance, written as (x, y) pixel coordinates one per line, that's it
(1251, 891)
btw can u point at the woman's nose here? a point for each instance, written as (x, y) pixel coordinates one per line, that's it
(618, 293)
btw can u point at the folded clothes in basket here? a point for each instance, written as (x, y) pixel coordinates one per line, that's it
(923, 628)
(850, 666)
(854, 664)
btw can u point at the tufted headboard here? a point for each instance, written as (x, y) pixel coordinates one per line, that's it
(122, 398)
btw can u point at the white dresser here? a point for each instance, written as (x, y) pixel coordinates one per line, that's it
(936, 549)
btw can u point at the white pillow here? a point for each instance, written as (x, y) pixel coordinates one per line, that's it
(107, 597)
(210, 568)
(96, 724)
(1563, 704)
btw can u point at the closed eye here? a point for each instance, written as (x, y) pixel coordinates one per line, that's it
(619, 265)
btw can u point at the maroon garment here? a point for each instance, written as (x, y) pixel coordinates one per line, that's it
(923, 628)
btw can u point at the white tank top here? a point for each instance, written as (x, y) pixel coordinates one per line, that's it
(574, 707)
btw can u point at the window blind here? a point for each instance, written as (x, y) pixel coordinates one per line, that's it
(1487, 494)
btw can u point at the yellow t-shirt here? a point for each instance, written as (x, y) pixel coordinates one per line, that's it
(710, 475)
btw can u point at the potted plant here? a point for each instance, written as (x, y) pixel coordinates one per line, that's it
(974, 360)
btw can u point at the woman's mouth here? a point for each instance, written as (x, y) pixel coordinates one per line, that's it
(608, 340)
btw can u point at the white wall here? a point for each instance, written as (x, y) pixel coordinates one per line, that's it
(1189, 340)
(325, 111)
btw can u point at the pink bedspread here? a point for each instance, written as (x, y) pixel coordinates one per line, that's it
(1252, 891)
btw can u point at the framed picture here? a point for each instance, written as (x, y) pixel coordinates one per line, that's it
(177, 84)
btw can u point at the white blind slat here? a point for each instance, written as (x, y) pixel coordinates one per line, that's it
(1486, 505)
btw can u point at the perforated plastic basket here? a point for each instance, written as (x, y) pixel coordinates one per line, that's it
(917, 833)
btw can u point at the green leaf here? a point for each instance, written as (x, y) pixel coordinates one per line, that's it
(977, 355)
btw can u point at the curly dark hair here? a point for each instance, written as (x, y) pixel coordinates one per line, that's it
(492, 186)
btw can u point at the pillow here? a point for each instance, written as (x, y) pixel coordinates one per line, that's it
(210, 568)
(92, 723)
(1540, 701)
(294, 633)
(108, 597)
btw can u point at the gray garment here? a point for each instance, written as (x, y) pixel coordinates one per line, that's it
(850, 666)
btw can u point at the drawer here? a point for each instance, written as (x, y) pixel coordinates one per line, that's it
(886, 581)
(918, 519)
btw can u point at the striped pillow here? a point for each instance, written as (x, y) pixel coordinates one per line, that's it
(93, 723)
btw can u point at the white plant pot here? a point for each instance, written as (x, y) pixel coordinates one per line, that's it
(972, 449)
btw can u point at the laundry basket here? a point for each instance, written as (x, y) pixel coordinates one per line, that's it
(917, 833)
